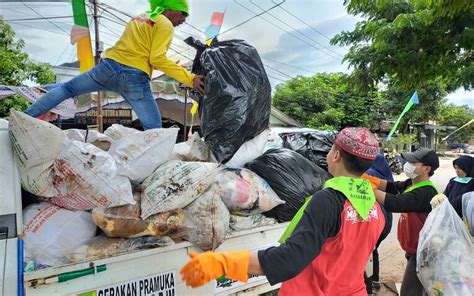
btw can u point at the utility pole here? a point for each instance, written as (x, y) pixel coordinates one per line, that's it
(98, 51)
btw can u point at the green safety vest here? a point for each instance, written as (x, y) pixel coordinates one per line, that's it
(358, 191)
(421, 184)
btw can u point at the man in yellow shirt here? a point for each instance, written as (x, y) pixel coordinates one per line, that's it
(128, 65)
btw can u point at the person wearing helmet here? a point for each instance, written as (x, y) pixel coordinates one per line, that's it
(127, 66)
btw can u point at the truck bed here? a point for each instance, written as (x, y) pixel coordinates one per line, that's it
(154, 271)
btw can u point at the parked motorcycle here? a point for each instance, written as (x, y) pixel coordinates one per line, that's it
(394, 162)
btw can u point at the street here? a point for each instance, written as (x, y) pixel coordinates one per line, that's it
(392, 257)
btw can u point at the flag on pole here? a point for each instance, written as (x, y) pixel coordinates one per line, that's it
(213, 30)
(411, 102)
(80, 34)
(468, 123)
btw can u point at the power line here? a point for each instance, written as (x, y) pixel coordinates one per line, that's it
(115, 34)
(38, 18)
(60, 56)
(292, 33)
(114, 15)
(46, 19)
(305, 23)
(20, 11)
(285, 30)
(289, 65)
(307, 36)
(276, 70)
(115, 9)
(188, 33)
(180, 53)
(276, 78)
(42, 29)
(113, 21)
(249, 19)
(195, 28)
(302, 21)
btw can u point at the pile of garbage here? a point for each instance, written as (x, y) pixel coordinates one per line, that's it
(102, 195)
(445, 254)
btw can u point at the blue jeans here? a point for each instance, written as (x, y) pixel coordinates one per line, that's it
(132, 84)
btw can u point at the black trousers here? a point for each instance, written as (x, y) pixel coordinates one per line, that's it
(411, 285)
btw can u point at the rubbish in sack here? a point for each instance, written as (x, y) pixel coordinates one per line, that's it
(249, 150)
(36, 144)
(253, 221)
(242, 189)
(89, 136)
(236, 104)
(138, 155)
(315, 145)
(51, 233)
(445, 254)
(125, 221)
(174, 185)
(117, 131)
(101, 247)
(86, 177)
(291, 176)
(468, 211)
(192, 150)
(206, 221)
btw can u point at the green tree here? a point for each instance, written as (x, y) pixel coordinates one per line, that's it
(16, 68)
(412, 45)
(457, 116)
(328, 101)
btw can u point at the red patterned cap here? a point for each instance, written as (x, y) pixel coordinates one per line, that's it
(358, 141)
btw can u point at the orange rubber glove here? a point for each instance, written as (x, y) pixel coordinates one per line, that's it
(205, 267)
(374, 181)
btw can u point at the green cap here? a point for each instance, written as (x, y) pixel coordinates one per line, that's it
(158, 6)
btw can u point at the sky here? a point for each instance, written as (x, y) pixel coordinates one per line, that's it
(292, 39)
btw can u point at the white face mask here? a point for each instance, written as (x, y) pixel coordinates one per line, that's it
(409, 170)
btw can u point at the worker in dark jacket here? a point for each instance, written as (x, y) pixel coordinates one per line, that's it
(379, 169)
(411, 198)
(462, 183)
(328, 250)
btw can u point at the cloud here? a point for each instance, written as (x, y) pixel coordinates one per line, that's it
(329, 17)
(308, 49)
(462, 97)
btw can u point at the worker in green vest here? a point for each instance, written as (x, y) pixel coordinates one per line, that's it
(411, 198)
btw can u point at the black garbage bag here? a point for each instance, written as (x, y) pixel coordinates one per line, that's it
(237, 100)
(313, 145)
(291, 176)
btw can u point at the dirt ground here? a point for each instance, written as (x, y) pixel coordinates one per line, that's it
(392, 257)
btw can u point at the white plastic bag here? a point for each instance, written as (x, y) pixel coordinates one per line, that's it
(36, 143)
(468, 211)
(242, 189)
(445, 254)
(249, 150)
(206, 221)
(86, 177)
(80, 135)
(174, 185)
(51, 233)
(192, 150)
(89, 136)
(102, 247)
(253, 221)
(139, 154)
(117, 131)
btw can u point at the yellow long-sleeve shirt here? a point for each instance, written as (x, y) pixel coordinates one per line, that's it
(143, 45)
